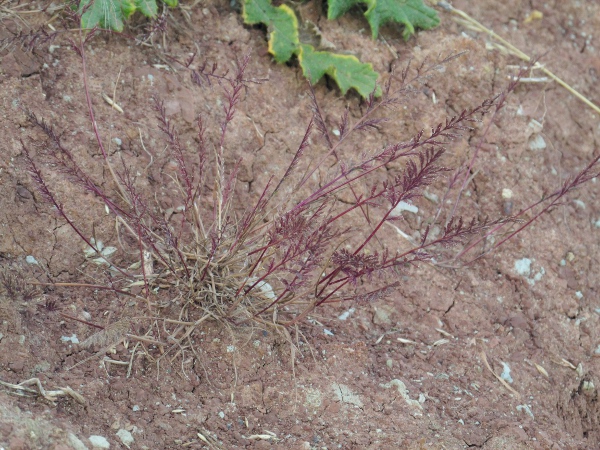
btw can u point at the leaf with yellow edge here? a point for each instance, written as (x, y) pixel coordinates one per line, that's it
(346, 70)
(281, 23)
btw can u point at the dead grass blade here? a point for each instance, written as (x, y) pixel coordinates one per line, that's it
(498, 377)
(563, 362)
(541, 370)
(208, 439)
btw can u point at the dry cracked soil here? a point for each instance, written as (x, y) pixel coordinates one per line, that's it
(418, 370)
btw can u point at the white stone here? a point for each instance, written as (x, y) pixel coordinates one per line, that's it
(505, 375)
(72, 339)
(523, 266)
(76, 442)
(126, 437)
(99, 441)
(537, 142)
(31, 260)
(403, 206)
(346, 314)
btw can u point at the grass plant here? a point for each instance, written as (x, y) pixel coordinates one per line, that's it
(292, 251)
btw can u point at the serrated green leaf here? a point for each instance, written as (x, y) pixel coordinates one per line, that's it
(346, 70)
(108, 14)
(411, 13)
(336, 8)
(147, 7)
(282, 25)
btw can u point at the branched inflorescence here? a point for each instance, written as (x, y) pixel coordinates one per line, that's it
(280, 258)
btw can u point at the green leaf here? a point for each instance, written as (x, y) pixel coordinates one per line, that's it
(411, 13)
(108, 14)
(147, 7)
(281, 23)
(336, 8)
(346, 70)
(111, 14)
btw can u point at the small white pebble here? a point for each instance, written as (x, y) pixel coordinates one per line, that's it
(99, 441)
(523, 266)
(346, 314)
(537, 143)
(126, 437)
(505, 375)
(403, 206)
(72, 339)
(31, 260)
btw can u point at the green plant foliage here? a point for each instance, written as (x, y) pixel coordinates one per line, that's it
(411, 13)
(284, 42)
(111, 14)
(346, 70)
(281, 23)
(149, 8)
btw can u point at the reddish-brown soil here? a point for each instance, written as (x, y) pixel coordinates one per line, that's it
(407, 372)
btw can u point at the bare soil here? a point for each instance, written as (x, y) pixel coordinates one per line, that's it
(408, 372)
